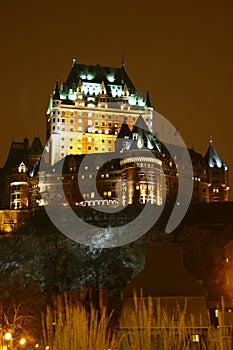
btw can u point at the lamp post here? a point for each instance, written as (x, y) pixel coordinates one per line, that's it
(8, 337)
(23, 342)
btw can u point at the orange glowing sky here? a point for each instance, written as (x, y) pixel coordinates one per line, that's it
(181, 50)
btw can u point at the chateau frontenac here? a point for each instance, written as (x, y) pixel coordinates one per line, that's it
(98, 111)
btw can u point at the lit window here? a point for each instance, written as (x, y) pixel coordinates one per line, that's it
(195, 338)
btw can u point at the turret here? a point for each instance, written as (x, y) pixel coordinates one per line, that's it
(217, 175)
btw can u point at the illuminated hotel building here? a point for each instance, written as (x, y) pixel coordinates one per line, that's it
(86, 112)
(98, 111)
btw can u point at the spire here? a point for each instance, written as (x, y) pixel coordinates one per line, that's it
(125, 90)
(74, 61)
(103, 89)
(122, 60)
(50, 106)
(212, 156)
(80, 86)
(147, 100)
(56, 95)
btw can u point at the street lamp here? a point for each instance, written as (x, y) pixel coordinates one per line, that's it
(8, 337)
(22, 341)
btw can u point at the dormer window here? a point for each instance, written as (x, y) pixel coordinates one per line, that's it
(22, 168)
(135, 136)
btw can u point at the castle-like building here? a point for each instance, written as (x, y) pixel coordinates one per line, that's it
(98, 111)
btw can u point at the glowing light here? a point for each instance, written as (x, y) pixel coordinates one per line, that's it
(110, 78)
(195, 338)
(22, 341)
(8, 336)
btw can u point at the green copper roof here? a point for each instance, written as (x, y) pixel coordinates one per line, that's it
(98, 74)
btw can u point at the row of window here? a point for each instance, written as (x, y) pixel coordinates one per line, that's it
(90, 114)
(89, 122)
(90, 148)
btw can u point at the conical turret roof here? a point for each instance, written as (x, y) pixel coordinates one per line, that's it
(212, 157)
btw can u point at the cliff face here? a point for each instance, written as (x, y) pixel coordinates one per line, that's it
(38, 253)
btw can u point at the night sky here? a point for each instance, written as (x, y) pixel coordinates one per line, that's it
(181, 50)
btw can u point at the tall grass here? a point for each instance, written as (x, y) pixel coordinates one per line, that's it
(67, 326)
(145, 327)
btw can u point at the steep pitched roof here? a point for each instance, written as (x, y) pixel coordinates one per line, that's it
(212, 157)
(99, 74)
(18, 153)
(124, 131)
(56, 95)
(36, 147)
(147, 102)
(144, 136)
